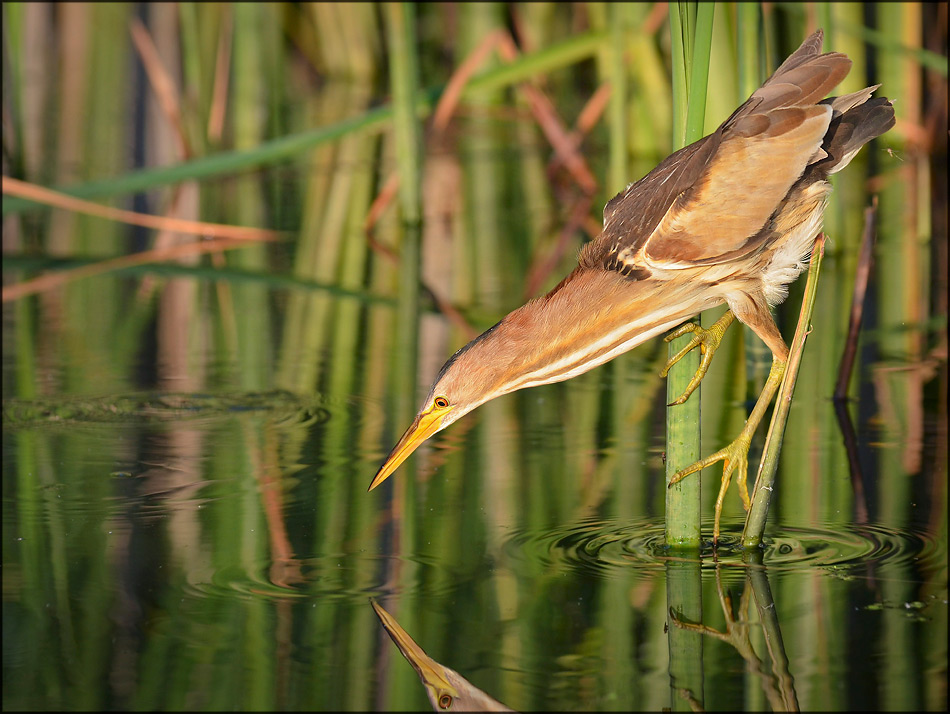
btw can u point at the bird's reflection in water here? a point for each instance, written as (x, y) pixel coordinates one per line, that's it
(447, 689)
(756, 610)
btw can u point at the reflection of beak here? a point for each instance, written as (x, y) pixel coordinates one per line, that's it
(423, 426)
(431, 672)
(447, 689)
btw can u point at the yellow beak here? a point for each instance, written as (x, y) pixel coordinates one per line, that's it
(431, 672)
(422, 427)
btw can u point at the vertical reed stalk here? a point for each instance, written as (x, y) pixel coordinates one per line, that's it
(404, 78)
(691, 34)
(747, 36)
(684, 597)
(698, 69)
(404, 75)
(682, 45)
(618, 172)
(772, 632)
(762, 493)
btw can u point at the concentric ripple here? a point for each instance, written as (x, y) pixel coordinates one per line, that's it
(598, 547)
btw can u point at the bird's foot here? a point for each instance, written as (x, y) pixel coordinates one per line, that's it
(735, 456)
(735, 460)
(707, 339)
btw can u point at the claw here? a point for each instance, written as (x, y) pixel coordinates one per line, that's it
(735, 459)
(735, 456)
(707, 339)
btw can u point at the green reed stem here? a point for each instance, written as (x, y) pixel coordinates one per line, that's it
(765, 479)
(699, 72)
(684, 597)
(617, 174)
(404, 76)
(691, 33)
(748, 52)
(772, 631)
(680, 77)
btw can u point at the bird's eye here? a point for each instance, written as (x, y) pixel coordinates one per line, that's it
(445, 701)
(441, 402)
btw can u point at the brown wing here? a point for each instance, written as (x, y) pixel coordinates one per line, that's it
(708, 202)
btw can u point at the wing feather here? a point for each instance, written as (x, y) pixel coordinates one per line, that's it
(708, 202)
(719, 216)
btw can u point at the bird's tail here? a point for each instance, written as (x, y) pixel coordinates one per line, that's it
(856, 119)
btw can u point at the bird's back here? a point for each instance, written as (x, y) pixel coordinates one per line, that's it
(715, 200)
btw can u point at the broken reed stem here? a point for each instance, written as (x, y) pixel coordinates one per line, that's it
(765, 479)
(857, 301)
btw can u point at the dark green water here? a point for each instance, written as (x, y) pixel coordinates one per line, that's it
(217, 549)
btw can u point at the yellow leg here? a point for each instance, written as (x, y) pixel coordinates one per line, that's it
(707, 339)
(735, 456)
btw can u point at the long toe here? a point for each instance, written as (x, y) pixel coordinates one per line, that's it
(708, 341)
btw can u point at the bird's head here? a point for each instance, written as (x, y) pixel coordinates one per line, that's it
(478, 372)
(546, 340)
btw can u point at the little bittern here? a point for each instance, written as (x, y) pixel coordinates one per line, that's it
(447, 689)
(728, 219)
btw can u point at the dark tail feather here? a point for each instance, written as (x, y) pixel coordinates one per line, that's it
(860, 120)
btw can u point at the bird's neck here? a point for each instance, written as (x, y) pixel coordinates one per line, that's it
(589, 318)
